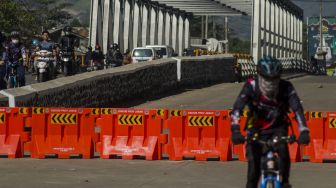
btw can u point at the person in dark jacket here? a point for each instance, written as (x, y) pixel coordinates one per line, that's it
(269, 100)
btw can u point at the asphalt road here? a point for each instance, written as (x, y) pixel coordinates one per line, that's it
(317, 93)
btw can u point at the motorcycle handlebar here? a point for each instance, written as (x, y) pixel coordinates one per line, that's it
(288, 139)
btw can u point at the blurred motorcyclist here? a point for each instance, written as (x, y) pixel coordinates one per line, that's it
(98, 57)
(2, 63)
(16, 53)
(114, 56)
(88, 56)
(67, 43)
(31, 54)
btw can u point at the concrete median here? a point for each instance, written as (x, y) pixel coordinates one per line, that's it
(106, 87)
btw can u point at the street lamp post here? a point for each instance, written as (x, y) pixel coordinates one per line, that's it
(321, 54)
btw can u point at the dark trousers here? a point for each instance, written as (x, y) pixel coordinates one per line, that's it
(254, 153)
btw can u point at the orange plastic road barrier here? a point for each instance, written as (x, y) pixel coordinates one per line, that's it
(12, 134)
(330, 137)
(316, 125)
(62, 132)
(199, 134)
(328, 150)
(131, 133)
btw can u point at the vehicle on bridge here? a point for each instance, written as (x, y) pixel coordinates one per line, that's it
(144, 54)
(164, 51)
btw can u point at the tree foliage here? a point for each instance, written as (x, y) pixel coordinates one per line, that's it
(30, 17)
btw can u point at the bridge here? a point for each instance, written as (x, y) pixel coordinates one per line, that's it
(201, 83)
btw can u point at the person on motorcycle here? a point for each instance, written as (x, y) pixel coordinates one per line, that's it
(88, 56)
(68, 43)
(16, 53)
(2, 62)
(114, 56)
(269, 99)
(127, 57)
(32, 54)
(98, 57)
(48, 45)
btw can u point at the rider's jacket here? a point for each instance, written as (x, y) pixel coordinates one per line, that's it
(47, 45)
(265, 114)
(15, 53)
(68, 43)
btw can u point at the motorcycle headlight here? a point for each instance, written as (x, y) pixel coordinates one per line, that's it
(66, 59)
(42, 64)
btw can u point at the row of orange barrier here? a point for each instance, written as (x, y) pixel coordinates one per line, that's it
(149, 134)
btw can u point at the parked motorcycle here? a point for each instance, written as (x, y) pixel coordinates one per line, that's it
(44, 64)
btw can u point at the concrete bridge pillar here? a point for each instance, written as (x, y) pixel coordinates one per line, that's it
(168, 28)
(128, 23)
(116, 22)
(137, 25)
(180, 35)
(186, 33)
(258, 21)
(174, 32)
(161, 27)
(153, 26)
(96, 22)
(145, 18)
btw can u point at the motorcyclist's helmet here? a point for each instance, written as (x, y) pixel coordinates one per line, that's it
(35, 42)
(115, 46)
(15, 35)
(67, 30)
(269, 68)
(97, 47)
(89, 48)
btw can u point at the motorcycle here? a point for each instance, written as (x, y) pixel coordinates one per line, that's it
(13, 81)
(67, 62)
(44, 65)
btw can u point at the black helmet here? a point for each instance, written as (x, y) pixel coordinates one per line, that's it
(269, 67)
(15, 34)
(115, 46)
(89, 48)
(67, 29)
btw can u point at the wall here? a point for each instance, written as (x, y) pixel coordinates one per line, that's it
(135, 81)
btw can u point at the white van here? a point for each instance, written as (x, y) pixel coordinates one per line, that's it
(163, 50)
(143, 54)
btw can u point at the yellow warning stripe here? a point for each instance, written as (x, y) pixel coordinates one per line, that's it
(38, 110)
(23, 111)
(2, 118)
(106, 111)
(332, 123)
(316, 114)
(130, 119)
(63, 118)
(201, 121)
(160, 112)
(95, 111)
(176, 113)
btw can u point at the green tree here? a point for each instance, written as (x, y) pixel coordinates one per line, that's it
(14, 16)
(76, 23)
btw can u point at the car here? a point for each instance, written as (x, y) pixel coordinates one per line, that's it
(144, 54)
(164, 51)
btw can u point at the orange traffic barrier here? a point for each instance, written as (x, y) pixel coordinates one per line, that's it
(199, 134)
(130, 133)
(330, 137)
(12, 134)
(62, 132)
(316, 125)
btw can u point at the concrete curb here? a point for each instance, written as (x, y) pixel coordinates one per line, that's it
(292, 76)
